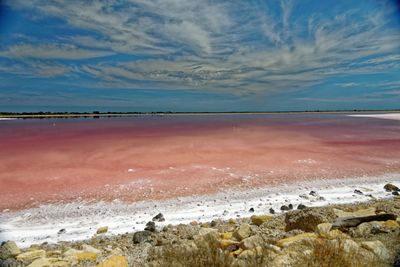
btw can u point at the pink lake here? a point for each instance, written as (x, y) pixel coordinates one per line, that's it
(160, 157)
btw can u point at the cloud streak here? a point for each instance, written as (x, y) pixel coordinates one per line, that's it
(250, 48)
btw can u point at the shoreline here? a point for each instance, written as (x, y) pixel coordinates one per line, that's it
(90, 115)
(80, 219)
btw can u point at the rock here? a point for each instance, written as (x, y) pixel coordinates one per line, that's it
(8, 250)
(313, 193)
(323, 229)
(214, 223)
(232, 221)
(86, 256)
(53, 253)
(290, 206)
(260, 219)
(71, 253)
(246, 254)
(206, 231)
(237, 252)
(390, 224)
(251, 242)
(395, 193)
(306, 220)
(301, 207)
(61, 231)
(378, 248)
(114, 261)
(365, 229)
(336, 234)
(349, 246)
(150, 226)
(159, 218)
(10, 262)
(284, 208)
(87, 248)
(242, 232)
(358, 192)
(293, 239)
(102, 230)
(251, 210)
(186, 231)
(142, 236)
(49, 262)
(272, 211)
(357, 213)
(227, 235)
(343, 222)
(29, 256)
(391, 187)
(225, 243)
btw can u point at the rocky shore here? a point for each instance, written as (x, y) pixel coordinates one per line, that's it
(358, 234)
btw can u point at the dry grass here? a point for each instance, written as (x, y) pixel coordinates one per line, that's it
(335, 253)
(206, 252)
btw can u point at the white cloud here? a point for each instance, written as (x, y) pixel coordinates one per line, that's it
(51, 52)
(238, 47)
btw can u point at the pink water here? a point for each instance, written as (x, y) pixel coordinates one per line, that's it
(159, 157)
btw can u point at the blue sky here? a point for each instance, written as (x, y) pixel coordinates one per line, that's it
(199, 55)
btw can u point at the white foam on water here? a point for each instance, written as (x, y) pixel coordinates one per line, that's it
(7, 119)
(81, 219)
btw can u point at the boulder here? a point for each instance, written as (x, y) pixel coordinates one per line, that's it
(102, 230)
(272, 211)
(225, 243)
(260, 219)
(10, 262)
(284, 208)
(242, 232)
(246, 254)
(294, 239)
(86, 256)
(114, 261)
(391, 187)
(251, 242)
(251, 210)
(87, 248)
(301, 206)
(343, 222)
(150, 226)
(390, 224)
(206, 231)
(336, 234)
(71, 253)
(227, 235)
(358, 192)
(49, 262)
(142, 236)
(8, 250)
(358, 213)
(365, 229)
(323, 229)
(306, 220)
(350, 246)
(159, 218)
(378, 248)
(29, 256)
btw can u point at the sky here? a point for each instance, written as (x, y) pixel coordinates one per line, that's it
(199, 55)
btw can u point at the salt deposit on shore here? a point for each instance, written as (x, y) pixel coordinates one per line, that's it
(81, 219)
(7, 119)
(388, 116)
